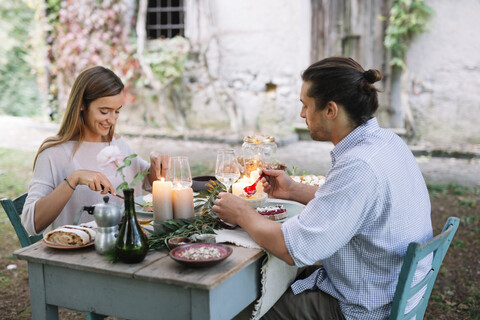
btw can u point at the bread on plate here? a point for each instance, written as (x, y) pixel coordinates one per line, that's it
(70, 235)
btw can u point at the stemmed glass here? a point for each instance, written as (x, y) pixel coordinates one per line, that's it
(180, 174)
(227, 170)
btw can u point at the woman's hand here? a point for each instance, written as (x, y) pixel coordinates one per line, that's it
(159, 164)
(95, 180)
(277, 183)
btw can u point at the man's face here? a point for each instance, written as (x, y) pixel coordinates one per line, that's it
(315, 119)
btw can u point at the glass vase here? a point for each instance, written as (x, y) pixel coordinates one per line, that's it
(132, 243)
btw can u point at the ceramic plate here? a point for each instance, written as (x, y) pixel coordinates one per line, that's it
(59, 246)
(200, 249)
(293, 208)
(141, 210)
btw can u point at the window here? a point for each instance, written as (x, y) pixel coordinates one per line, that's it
(165, 19)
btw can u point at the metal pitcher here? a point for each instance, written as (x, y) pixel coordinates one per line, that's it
(107, 216)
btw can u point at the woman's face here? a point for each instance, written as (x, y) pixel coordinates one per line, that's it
(101, 116)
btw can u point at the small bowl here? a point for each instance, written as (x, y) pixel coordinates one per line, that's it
(204, 237)
(257, 200)
(178, 241)
(200, 183)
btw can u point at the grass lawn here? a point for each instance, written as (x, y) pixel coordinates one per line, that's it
(456, 294)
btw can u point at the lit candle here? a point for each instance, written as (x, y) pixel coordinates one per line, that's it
(237, 187)
(183, 203)
(162, 200)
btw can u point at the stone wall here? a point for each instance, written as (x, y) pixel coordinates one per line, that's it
(444, 75)
(250, 55)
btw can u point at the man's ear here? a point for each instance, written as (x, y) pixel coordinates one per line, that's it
(331, 110)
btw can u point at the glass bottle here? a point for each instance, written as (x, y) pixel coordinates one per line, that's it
(259, 152)
(132, 243)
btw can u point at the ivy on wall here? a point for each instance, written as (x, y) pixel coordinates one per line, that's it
(82, 34)
(407, 18)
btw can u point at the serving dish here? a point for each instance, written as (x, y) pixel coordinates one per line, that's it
(63, 247)
(256, 200)
(201, 250)
(178, 241)
(140, 211)
(200, 183)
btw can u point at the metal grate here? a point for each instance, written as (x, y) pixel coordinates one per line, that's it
(165, 19)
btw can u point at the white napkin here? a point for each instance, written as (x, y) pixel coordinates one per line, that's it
(276, 274)
(236, 236)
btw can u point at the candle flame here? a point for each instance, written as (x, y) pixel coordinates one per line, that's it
(162, 179)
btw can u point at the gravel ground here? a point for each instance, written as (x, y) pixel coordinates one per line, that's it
(313, 157)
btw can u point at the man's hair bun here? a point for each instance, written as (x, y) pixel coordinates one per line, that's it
(372, 75)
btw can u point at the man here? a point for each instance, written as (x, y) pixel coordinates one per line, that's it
(359, 223)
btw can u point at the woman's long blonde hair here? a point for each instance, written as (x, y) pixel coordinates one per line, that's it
(91, 84)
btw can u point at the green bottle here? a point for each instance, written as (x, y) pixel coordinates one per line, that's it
(132, 243)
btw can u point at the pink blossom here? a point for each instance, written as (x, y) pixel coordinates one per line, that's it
(110, 156)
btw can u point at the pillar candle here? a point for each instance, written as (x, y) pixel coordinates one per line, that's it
(162, 200)
(237, 187)
(183, 203)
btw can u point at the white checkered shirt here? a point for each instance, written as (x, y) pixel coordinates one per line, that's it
(373, 204)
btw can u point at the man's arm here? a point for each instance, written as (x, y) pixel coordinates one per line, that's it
(267, 233)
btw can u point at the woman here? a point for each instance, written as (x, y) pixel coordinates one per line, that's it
(67, 175)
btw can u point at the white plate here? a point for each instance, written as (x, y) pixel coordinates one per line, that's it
(293, 208)
(141, 210)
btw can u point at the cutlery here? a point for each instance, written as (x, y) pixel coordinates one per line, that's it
(251, 190)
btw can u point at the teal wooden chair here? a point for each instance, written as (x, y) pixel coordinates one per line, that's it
(416, 252)
(14, 208)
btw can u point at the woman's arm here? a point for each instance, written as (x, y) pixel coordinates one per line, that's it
(49, 207)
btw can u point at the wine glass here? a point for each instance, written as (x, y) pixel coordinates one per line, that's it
(227, 170)
(180, 173)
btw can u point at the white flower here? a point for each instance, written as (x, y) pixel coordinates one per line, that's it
(110, 156)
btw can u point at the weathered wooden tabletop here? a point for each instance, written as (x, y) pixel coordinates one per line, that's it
(156, 285)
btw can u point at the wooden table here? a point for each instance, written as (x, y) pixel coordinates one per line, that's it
(158, 287)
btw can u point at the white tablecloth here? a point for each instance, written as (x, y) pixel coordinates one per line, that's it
(277, 275)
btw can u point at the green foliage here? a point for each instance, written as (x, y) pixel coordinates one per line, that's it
(407, 18)
(205, 221)
(167, 59)
(138, 177)
(202, 224)
(15, 172)
(20, 94)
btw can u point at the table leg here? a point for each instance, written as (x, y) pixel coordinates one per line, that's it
(38, 300)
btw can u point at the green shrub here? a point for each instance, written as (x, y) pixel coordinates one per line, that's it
(20, 93)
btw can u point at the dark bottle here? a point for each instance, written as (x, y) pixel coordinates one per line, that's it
(132, 243)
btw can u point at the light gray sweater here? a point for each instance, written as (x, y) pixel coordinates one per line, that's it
(56, 163)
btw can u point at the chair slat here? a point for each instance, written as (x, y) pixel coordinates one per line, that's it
(416, 252)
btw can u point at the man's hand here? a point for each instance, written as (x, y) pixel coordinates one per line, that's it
(277, 183)
(231, 208)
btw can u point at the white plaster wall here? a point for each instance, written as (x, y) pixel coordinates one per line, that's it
(252, 43)
(444, 74)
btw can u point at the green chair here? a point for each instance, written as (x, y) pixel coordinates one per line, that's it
(14, 210)
(416, 252)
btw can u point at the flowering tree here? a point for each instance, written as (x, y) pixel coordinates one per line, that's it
(90, 33)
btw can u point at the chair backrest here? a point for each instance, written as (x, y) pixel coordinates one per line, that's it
(416, 252)
(14, 210)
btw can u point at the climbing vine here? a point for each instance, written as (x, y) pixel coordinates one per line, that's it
(407, 18)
